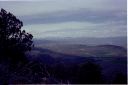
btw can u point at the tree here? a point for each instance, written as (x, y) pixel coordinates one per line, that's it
(14, 42)
(120, 79)
(90, 73)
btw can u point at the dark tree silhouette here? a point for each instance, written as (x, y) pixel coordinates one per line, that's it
(14, 42)
(90, 73)
(120, 79)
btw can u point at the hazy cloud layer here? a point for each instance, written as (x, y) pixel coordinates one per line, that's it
(80, 15)
(74, 18)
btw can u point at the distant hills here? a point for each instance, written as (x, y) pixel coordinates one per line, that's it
(109, 53)
(79, 47)
(92, 41)
(87, 51)
(75, 53)
(111, 58)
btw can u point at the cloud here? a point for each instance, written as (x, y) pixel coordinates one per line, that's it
(74, 18)
(21, 8)
(80, 15)
(76, 29)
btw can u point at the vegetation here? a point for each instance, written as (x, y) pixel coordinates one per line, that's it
(12, 39)
(14, 42)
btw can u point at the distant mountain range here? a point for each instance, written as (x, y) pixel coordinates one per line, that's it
(119, 41)
(77, 49)
(111, 58)
(96, 47)
(88, 51)
(75, 53)
(109, 53)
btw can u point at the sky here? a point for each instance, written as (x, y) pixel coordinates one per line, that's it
(71, 18)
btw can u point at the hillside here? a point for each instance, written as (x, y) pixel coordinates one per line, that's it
(88, 51)
(112, 59)
(91, 41)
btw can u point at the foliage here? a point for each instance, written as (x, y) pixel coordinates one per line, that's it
(13, 40)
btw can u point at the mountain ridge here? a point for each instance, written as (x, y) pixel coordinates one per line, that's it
(92, 41)
(84, 50)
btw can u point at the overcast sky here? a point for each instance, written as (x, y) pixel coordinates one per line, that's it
(71, 18)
